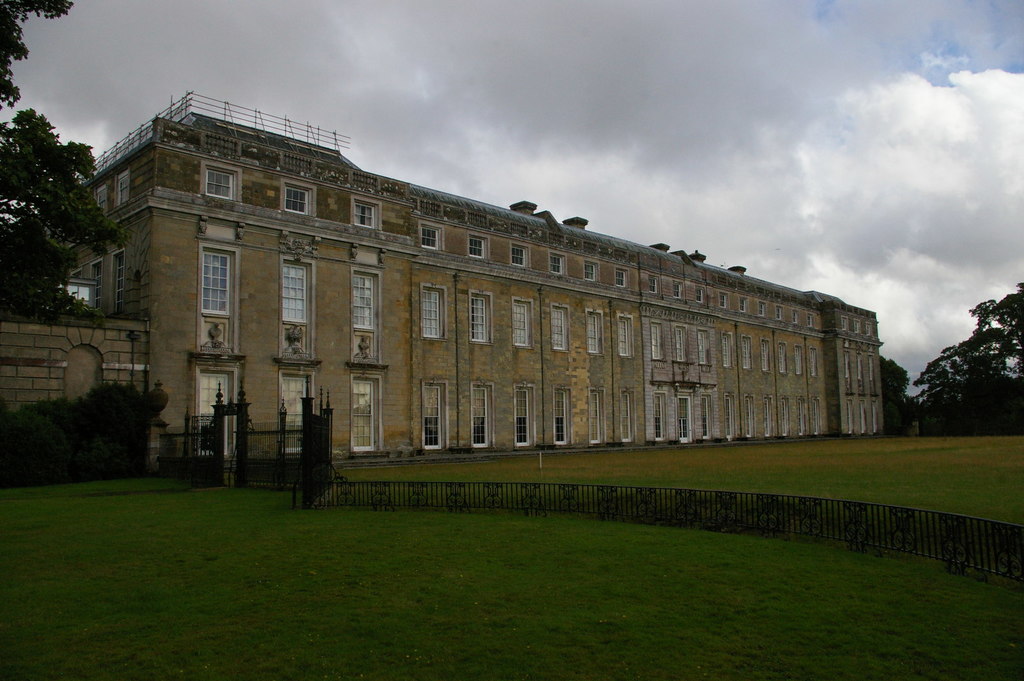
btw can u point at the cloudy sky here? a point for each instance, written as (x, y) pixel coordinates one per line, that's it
(870, 149)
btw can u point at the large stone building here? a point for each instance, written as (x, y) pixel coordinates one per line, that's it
(436, 322)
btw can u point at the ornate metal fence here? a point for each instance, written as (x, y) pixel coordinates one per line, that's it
(962, 542)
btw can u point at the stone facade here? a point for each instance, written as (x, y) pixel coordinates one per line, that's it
(441, 323)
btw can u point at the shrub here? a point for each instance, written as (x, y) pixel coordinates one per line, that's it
(34, 452)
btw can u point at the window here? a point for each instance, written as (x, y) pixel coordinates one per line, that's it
(100, 194)
(781, 360)
(216, 270)
(594, 333)
(296, 199)
(816, 415)
(810, 320)
(432, 423)
(801, 416)
(652, 284)
(477, 247)
(677, 289)
(293, 293)
(812, 361)
(796, 317)
(293, 388)
(748, 405)
(702, 348)
(480, 318)
(556, 263)
(768, 420)
(683, 418)
(846, 369)
(430, 237)
(844, 323)
(559, 327)
(620, 278)
(656, 352)
(211, 383)
(124, 187)
(521, 316)
(220, 183)
(869, 329)
(480, 407)
(798, 359)
(745, 352)
(432, 312)
(778, 312)
(96, 269)
(518, 256)
(698, 294)
(521, 404)
(625, 336)
(705, 417)
(743, 304)
(595, 414)
(766, 355)
(364, 436)
(730, 418)
(363, 304)
(561, 411)
(659, 416)
(590, 271)
(726, 350)
(762, 308)
(119, 281)
(784, 416)
(679, 343)
(364, 214)
(856, 326)
(626, 416)
(723, 300)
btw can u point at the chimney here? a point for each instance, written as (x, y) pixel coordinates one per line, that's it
(697, 256)
(738, 269)
(661, 247)
(578, 222)
(524, 207)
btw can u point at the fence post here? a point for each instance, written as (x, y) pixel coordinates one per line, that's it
(307, 458)
(280, 470)
(241, 439)
(219, 436)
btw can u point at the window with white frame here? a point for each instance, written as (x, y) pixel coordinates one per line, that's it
(766, 355)
(595, 332)
(293, 292)
(856, 326)
(698, 294)
(656, 351)
(221, 182)
(476, 247)
(726, 350)
(659, 416)
(801, 416)
(625, 328)
(559, 327)
(705, 416)
(119, 281)
(621, 278)
(124, 187)
(778, 312)
(796, 317)
(781, 361)
(703, 354)
(293, 389)
(679, 343)
(433, 412)
(652, 284)
(723, 300)
(846, 368)
(521, 407)
(784, 416)
(430, 237)
(745, 352)
(432, 308)
(768, 416)
(844, 323)
(677, 289)
(810, 320)
(100, 194)
(626, 416)
(729, 417)
(216, 282)
(762, 308)
(748, 408)
(364, 303)
(480, 415)
(479, 318)
(816, 415)
(556, 263)
(798, 359)
(519, 256)
(743, 304)
(211, 383)
(812, 361)
(364, 415)
(365, 214)
(297, 199)
(96, 270)
(590, 271)
(521, 318)
(561, 416)
(595, 415)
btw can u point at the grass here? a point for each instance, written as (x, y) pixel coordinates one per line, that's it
(117, 581)
(975, 476)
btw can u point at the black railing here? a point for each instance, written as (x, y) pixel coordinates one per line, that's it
(962, 542)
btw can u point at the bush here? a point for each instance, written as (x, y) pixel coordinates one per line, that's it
(34, 452)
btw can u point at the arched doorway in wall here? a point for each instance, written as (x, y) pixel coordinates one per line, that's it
(84, 370)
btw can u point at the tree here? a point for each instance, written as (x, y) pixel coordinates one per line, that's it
(897, 407)
(13, 13)
(977, 386)
(46, 212)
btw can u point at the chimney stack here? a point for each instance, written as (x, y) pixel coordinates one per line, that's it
(524, 207)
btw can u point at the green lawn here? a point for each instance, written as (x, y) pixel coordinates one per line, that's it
(976, 476)
(100, 583)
